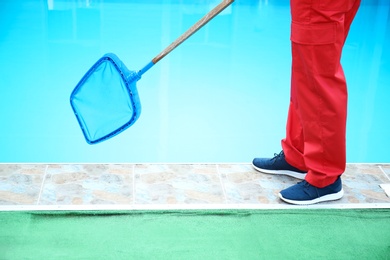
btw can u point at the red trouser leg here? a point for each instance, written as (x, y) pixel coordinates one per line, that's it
(316, 125)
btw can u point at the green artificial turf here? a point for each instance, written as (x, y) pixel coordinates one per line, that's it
(196, 234)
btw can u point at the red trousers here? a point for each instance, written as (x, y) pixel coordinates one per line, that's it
(316, 125)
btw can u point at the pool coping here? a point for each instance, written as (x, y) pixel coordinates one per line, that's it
(232, 179)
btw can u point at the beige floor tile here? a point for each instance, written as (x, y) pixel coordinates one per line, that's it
(88, 184)
(177, 184)
(361, 184)
(20, 184)
(245, 185)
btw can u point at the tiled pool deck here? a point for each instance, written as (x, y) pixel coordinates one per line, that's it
(171, 186)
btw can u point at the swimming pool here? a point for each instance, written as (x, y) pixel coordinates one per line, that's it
(222, 96)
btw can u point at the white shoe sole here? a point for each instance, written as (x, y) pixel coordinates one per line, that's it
(293, 174)
(329, 197)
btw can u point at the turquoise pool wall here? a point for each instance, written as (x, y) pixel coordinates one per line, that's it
(222, 96)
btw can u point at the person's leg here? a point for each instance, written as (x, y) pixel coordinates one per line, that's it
(320, 97)
(315, 136)
(293, 144)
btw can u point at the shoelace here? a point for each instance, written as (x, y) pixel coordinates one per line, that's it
(277, 156)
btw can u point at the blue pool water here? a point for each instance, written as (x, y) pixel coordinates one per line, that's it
(221, 96)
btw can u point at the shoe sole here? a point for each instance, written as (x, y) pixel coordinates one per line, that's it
(329, 197)
(297, 175)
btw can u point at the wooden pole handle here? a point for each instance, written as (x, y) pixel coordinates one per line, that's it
(219, 8)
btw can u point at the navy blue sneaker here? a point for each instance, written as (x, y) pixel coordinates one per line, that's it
(304, 193)
(277, 165)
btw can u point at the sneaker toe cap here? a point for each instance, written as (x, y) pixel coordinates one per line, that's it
(299, 193)
(261, 163)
